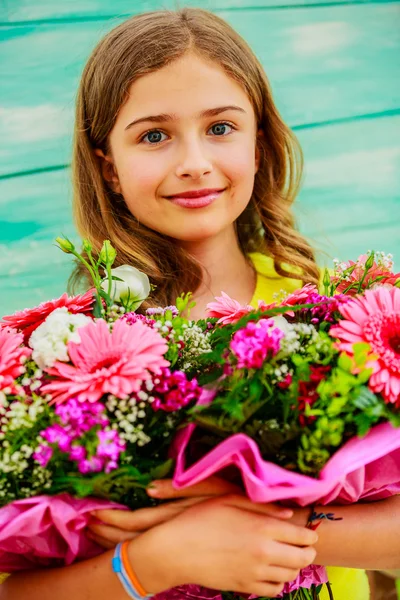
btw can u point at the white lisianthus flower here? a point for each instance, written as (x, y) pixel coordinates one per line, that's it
(49, 341)
(132, 290)
(282, 324)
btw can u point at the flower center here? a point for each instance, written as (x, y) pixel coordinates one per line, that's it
(382, 331)
(105, 362)
(394, 343)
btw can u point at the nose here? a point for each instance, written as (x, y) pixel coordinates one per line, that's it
(193, 163)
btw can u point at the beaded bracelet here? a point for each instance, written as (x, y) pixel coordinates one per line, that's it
(122, 567)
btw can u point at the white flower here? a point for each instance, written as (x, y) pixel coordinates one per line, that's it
(49, 341)
(133, 289)
(282, 324)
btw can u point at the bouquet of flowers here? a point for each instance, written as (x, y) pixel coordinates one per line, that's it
(91, 394)
(303, 397)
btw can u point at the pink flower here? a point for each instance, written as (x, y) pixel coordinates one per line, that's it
(378, 272)
(27, 320)
(311, 575)
(107, 362)
(12, 357)
(300, 296)
(252, 344)
(375, 319)
(227, 310)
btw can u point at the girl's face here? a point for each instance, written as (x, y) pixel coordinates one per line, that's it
(186, 128)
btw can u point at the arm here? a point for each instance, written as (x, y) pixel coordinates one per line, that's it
(198, 546)
(368, 537)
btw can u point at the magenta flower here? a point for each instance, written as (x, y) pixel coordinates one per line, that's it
(133, 317)
(43, 455)
(107, 362)
(375, 319)
(227, 310)
(110, 448)
(12, 357)
(55, 434)
(255, 342)
(79, 417)
(90, 465)
(173, 391)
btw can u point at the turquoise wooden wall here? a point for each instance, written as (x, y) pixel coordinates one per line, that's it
(334, 66)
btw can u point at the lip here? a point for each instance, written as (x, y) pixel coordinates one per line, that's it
(196, 198)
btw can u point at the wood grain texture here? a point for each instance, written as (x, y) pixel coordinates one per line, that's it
(335, 73)
(324, 64)
(17, 11)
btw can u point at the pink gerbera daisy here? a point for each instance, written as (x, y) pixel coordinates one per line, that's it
(226, 309)
(107, 362)
(27, 320)
(12, 357)
(375, 318)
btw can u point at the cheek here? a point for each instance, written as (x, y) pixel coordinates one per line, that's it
(240, 169)
(139, 174)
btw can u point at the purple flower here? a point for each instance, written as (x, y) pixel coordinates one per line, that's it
(55, 434)
(255, 342)
(43, 455)
(77, 453)
(110, 446)
(79, 417)
(90, 465)
(173, 391)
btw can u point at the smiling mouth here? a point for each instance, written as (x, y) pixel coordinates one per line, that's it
(198, 199)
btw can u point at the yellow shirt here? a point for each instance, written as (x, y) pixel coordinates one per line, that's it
(347, 584)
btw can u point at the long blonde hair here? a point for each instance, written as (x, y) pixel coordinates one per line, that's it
(144, 44)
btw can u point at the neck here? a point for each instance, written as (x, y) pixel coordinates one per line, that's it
(225, 268)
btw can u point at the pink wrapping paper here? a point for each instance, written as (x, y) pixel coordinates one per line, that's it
(364, 468)
(47, 531)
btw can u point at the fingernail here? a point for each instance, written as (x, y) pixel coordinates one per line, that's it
(286, 512)
(153, 489)
(93, 513)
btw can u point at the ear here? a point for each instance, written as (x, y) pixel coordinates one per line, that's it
(258, 150)
(108, 170)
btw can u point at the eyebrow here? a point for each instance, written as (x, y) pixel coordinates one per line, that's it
(164, 118)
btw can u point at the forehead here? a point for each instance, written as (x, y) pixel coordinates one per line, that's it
(185, 87)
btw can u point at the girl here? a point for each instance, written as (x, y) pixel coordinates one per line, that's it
(182, 161)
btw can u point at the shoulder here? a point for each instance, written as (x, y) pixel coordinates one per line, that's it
(269, 282)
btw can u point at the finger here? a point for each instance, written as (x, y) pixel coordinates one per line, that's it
(278, 574)
(100, 541)
(289, 533)
(287, 556)
(112, 534)
(270, 509)
(144, 518)
(213, 486)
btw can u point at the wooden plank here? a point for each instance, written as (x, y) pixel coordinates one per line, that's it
(25, 10)
(350, 203)
(324, 64)
(351, 186)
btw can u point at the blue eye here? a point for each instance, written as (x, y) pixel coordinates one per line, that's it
(219, 129)
(153, 137)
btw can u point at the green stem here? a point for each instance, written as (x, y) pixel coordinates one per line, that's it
(328, 585)
(89, 268)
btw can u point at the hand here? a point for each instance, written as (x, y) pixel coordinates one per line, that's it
(120, 525)
(225, 543)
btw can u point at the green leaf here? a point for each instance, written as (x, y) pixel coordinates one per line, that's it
(344, 362)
